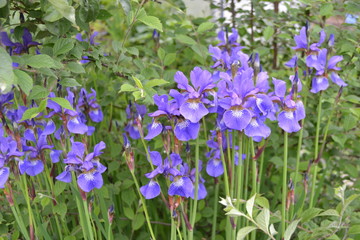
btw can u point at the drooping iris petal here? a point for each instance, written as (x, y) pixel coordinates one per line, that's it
(158, 170)
(193, 111)
(75, 126)
(65, 176)
(237, 119)
(154, 130)
(49, 128)
(201, 192)
(257, 128)
(150, 190)
(31, 168)
(300, 110)
(264, 103)
(96, 115)
(90, 180)
(186, 130)
(333, 61)
(4, 175)
(292, 62)
(288, 122)
(182, 186)
(175, 159)
(55, 155)
(214, 168)
(318, 84)
(337, 80)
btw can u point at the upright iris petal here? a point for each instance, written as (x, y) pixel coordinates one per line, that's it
(154, 129)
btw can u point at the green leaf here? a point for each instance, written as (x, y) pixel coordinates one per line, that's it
(268, 32)
(38, 92)
(169, 58)
(63, 7)
(185, 39)
(62, 102)
(127, 88)
(205, 26)
(151, 21)
(161, 54)
(291, 229)
(2, 3)
(24, 81)
(129, 213)
(250, 205)
(138, 82)
(263, 202)
(235, 213)
(155, 82)
(61, 209)
(62, 46)
(133, 51)
(330, 212)
(263, 219)
(69, 82)
(7, 76)
(103, 14)
(243, 232)
(326, 9)
(75, 67)
(138, 222)
(309, 214)
(41, 61)
(355, 229)
(59, 187)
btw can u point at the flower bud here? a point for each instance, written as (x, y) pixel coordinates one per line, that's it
(111, 213)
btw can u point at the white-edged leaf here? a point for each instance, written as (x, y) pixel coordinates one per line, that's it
(291, 229)
(7, 76)
(63, 7)
(250, 205)
(24, 81)
(151, 21)
(62, 102)
(155, 82)
(243, 232)
(330, 212)
(263, 220)
(127, 88)
(235, 213)
(138, 82)
(272, 230)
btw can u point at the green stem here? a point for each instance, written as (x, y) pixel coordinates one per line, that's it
(254, 168)
(261, 167)
(144, 206)
(32, 224)
(239, 175)
(298, 157)
(316, 152)
(216, 202)
(231, 164)
(226, 178)
(173, 229)
(284, 186)
(109, 232)
(88, 220)
(196, 190)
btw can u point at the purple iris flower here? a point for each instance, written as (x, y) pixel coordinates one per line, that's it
(74, 122)
(8, 151)
(324, 68)
(88, 104)
(17, 47)
(33, 163)
(292, 111)
(133, 112)
(302, 44)
(91, 40)
(88, 165)
(193, 108)
(5, 100)
(185, 171)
